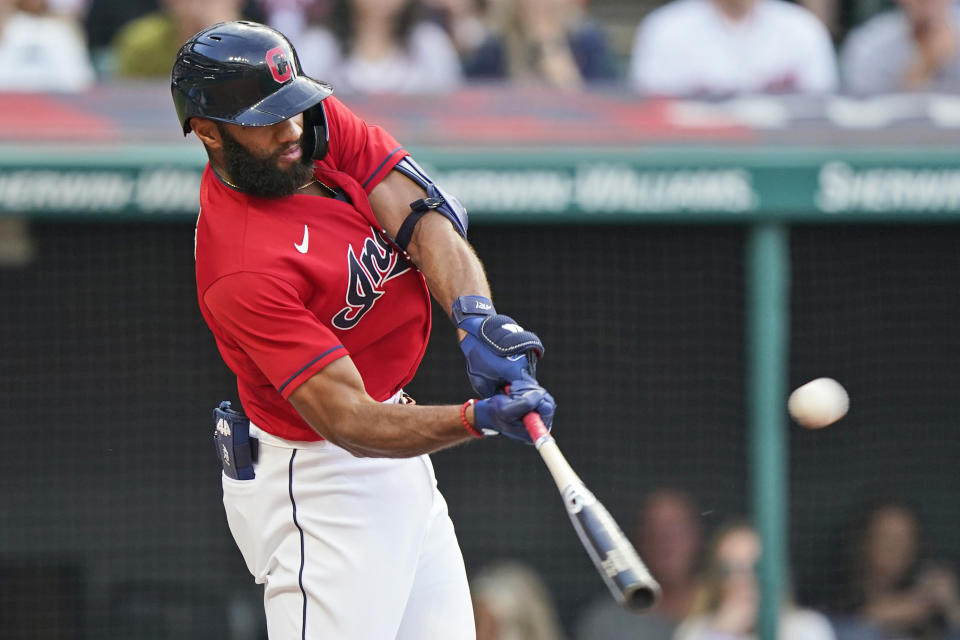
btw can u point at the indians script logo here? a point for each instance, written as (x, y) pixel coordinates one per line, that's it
(377, 264)
(280, 66)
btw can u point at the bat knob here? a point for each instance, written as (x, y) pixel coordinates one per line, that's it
(642, 597)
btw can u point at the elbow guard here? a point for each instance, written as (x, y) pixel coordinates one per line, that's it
(436, 200)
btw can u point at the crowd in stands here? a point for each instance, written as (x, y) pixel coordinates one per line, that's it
(512, 602)
(891, 590)
(668, 537)
(688, 48)
(728, 596)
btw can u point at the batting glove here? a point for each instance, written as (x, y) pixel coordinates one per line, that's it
(503, 413)
(497, 349)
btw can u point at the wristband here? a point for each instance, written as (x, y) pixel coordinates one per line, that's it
(463, 418)
(466, 306)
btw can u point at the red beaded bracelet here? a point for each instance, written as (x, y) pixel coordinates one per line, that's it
(463, 418)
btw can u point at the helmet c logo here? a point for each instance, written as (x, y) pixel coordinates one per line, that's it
(280, 67)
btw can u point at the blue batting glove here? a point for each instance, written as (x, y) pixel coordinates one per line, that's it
(497, 349)
(503, 413)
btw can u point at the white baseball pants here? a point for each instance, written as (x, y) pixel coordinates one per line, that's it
(349, 548)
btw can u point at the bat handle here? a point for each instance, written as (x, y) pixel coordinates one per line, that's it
(535, 427)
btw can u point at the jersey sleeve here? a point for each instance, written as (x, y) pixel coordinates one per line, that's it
(365, 152)
(265, 318)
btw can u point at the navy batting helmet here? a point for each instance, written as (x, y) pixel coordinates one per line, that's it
(242, 73)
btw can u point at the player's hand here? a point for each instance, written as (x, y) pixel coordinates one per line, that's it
(503, 413)
(497, 349)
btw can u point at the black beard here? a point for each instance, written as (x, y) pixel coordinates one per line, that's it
(261, 176)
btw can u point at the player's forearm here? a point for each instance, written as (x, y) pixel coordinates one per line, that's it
(333, 402)
(375, 430)
(402, 431)
(447, 261)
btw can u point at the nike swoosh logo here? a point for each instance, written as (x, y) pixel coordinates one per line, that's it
(305, 243)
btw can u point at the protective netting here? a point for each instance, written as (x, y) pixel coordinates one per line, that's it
(110, 517)
(875, 308)
(643, 335)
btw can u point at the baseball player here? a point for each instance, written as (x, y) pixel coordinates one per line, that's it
(318, 245)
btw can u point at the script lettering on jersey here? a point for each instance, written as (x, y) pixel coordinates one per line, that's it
(376, 264)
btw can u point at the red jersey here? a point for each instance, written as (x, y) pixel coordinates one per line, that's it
(288, 285)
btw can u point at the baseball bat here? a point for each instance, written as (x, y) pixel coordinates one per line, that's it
(614, 557)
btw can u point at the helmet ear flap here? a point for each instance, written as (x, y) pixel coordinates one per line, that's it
(316, 137)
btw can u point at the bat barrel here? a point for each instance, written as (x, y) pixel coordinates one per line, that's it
(619, 565)
(614, 557)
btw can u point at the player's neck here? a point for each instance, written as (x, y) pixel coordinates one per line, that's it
(221, 172)
(312, 187)
(223, 176)
(317, 188)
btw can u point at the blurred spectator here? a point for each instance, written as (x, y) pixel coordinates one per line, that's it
(17, 246)
(728, 597)
(511, 602)
(146, 46)
(912, 48)
(725, 47)
(547, 42)
(668, 539)
(379, 46)
(891, 593)
(40, 51)
(72, 8)
(463, 22)
(292, 17)
(105, 17)
(828, 11)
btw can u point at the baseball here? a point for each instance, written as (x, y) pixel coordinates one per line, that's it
(818, 403)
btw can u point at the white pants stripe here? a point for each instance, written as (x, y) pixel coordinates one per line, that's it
(349, 548)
